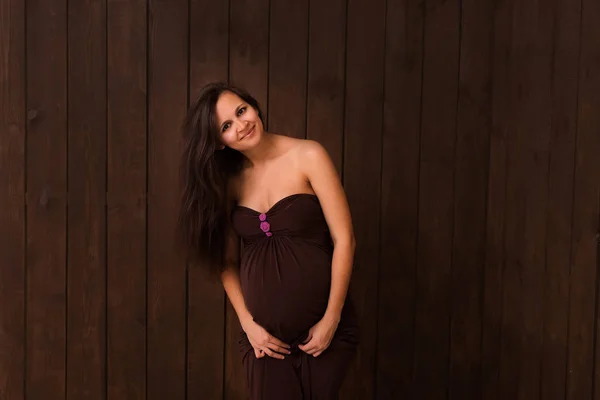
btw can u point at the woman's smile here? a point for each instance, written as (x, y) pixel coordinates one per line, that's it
(248, 134)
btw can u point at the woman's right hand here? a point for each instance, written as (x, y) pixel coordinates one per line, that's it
(263, 342)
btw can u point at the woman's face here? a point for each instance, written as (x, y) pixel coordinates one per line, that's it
(238, 123)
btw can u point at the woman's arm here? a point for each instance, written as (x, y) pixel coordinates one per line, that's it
(326, 184)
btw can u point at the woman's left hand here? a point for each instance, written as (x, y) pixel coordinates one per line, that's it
(319, 336)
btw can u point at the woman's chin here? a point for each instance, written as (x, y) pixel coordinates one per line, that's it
(250, 142)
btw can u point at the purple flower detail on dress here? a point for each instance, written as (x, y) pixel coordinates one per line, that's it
(265, 226)
(262, 217)
(269, 234)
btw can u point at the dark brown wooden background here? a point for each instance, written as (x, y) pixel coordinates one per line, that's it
(468, 137)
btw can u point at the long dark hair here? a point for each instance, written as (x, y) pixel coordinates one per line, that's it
(205, 171)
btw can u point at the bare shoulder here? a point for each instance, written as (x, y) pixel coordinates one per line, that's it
(287, 143)
(311, 153)
(312, 148)
(301, 150)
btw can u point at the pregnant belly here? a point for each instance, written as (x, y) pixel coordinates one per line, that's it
(286, 288)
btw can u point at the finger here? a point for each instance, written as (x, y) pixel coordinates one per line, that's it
(314, 348)
(310, 346)
(257, 350)
(278, 349)
(306, 343)
(254, 344)
(273, 354)
(305, 349)
(273, 339)
(308, 338)
(309, 349)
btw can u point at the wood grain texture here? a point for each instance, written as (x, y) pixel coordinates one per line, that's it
(436, 181)
(12, 198)
(527, 177)
(46, 198)
(326, 76)
(249, 48)
(470, 192)
(363, 127)
(586, 227)
(492, 375)
(583, 315)
(399, 198)
(530, 170)
(86, 279)
(167, 103)
(127, 225)
(288, 52)
(565, 33)
(514, 220)
(209, 61)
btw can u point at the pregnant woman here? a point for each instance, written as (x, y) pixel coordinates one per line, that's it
(288, 278)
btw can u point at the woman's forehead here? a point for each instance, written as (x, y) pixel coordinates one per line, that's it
(228, 101)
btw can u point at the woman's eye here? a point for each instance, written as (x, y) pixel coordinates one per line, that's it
(226, 126)
(241, 110)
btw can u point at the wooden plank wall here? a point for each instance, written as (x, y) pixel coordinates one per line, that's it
(467, 134)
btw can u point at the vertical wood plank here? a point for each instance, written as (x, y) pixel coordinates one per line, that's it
(288, 32)
(434, 253)
(586, 227)
(399, 198)
(362, 177)
(492, 381)
(248, 68)
(86, 280)
(167, 103)
(470, 175)
(526, 202)
(582, 363)
(512, 296)
(326, 63)
(249, 32)
(512, 324)
(209, 58)
(534, 79)
(46, 198)
(560, 198)
(12, 198)
(126, 241)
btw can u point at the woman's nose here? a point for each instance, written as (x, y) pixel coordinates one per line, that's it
(239, 125)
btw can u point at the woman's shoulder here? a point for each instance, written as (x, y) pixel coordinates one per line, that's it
(311, 151)
(302, 151)
(299, 147)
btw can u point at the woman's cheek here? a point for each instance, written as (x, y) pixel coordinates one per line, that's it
(228, 139)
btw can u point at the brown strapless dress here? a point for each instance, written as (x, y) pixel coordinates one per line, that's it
(285, 273)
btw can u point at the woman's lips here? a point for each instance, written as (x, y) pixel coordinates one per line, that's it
(248, 134)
